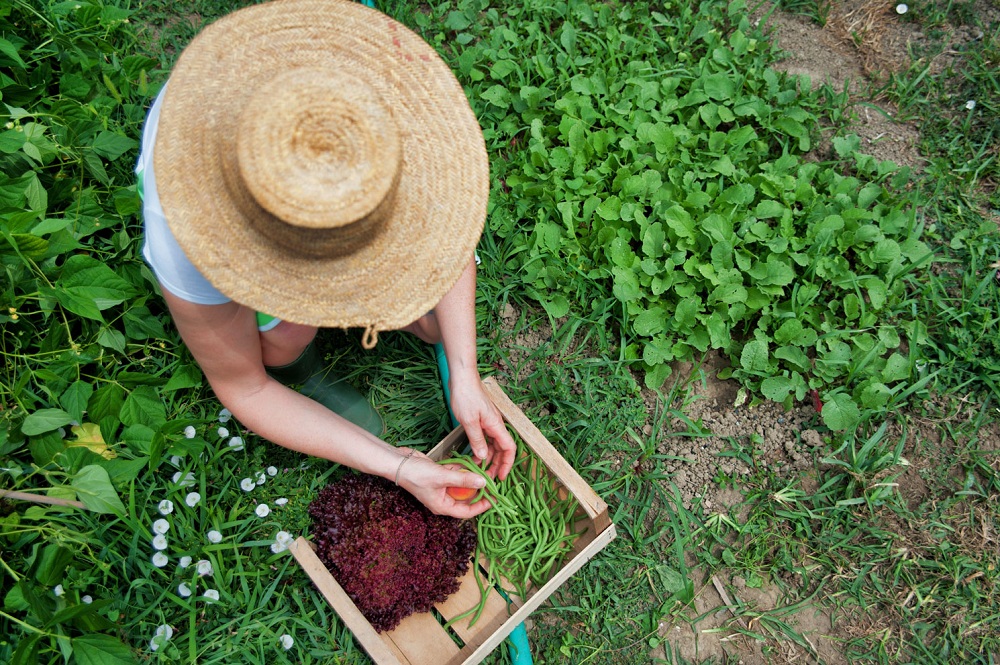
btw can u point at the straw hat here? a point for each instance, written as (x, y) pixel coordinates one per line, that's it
(319, 162)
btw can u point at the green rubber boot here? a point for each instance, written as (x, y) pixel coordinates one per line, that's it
(335, 394)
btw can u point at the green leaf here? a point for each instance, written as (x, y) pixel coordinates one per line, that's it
(111, 146)
(75, 399)
(101, 650)
(52, 563)
(557, 306)
(185, 376)
(106, 401)
(94, 489)
(754, 357)
(10, 51)
(776, 388)
(143, 406)
(45, 420)
(679, 220)
(649, 322)
(719, 86)
(897, 368)
(140, 324)
(656, 376)
(840, 413)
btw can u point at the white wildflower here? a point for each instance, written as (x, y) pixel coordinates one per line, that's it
(159, 542)
(204, 567)
(236, 443)
(225, 415)
(211, 594)
(166, 631)
(160, 560)
(214, 536)
(192, 499)
(161, 526)
(176, 460)
(183, 590)
(247, 484)
(87, 600)
(278, 548)
(184, 562)
(281, 501)
(971, 104)
(223, 432)
(166, 507)
(262, 510)
(272, 471)
(58, 590)
(189, 432)
(261, 478)
(186, 481)
(284, 537)
(901, 8)
(286, 642)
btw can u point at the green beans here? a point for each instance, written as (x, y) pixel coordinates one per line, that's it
(527, 532)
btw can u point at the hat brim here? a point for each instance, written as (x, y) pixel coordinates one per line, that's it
(440, 203)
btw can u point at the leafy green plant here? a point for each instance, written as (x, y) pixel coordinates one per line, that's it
(665, 174)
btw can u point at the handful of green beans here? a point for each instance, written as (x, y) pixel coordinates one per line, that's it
(527, 532)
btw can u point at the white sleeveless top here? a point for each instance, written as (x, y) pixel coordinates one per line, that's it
(169, 263)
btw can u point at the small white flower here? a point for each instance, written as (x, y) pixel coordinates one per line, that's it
(211, 594)
(247, 484)
(184, 562)
(284, 537)
(287, 642)
(165, 631)
(161, 526)
(186, 481)
(192, 499)
(971, 104)
(278, 548)
(183, 590)
(236, 443)
(204, 567)
(272, 471)
(223, 432)
(58, 590)
(280, 502)
(154, 643)
(225, 415)
(189, 432)
(87, 600)
(160, 560)
(159, 542)
(901, 8)
(214, 536)
(166, 507)
(176, 460)
(262, 510)
(261, 478)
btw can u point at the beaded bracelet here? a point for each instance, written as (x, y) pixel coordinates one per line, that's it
(401, 463)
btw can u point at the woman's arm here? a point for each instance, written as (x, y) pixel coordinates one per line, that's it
(225, 342)
(456, 319)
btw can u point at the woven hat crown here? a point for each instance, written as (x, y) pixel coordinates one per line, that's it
(319, 151)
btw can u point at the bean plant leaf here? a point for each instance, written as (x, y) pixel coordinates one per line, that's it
(101, 650)
(754, 357)
(45, 420)
(94, 489)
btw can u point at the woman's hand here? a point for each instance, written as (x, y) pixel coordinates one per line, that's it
(483, 424)
(429, 481)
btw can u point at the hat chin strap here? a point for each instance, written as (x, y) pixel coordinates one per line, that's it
(317, 162)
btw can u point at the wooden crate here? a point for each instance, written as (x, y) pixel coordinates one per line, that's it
(420, 639)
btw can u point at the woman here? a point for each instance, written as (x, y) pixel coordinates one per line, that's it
(315, 161)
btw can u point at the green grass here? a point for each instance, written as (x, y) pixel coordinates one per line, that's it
(913, 576)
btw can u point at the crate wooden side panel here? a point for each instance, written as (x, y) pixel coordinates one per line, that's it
(420, 639)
